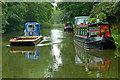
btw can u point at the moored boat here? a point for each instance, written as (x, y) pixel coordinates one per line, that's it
(31, 38)
(68, 27)
(96, 35)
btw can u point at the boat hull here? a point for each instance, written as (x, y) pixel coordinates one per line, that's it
(101, 43)
(27, 42)
(68, 30)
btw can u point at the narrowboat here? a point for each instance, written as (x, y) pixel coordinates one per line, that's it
(93, 35)
(32, 36)
(68, 27)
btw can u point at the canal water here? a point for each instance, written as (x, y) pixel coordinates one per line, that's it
(57, 56)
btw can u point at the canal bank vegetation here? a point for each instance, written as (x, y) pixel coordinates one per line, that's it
(60, 25)
(110, 9)
(16, 14)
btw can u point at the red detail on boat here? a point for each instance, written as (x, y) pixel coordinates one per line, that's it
(81, 25)
(68, 27)
(81, 36)
(107, 62)
(107, 33)
(14, 39)
(102, 67)
(65, 27)
(13, 52)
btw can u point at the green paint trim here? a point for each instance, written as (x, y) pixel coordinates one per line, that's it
(82, 31)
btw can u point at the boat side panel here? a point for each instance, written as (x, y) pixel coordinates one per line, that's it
(25, 43)
(22, 44)
(104, 43)
(78, 31)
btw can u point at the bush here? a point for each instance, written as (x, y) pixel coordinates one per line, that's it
(92, 20)
(59, 25)
(97, 33)
(102, 16)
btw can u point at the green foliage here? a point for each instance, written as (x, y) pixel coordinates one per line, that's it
(56, 16)
(105, 28)
(102, 16)
(58, 25)
(46, 24)
(72, 9)
(92, 20)
(16, 14)
(111, 9)
(102, 31)
(97, 33)
(116, 34)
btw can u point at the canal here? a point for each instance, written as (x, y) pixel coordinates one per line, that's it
(57, 56)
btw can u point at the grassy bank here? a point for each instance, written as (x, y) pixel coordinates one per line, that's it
(46, 25)
(58, 25)
(49, 25)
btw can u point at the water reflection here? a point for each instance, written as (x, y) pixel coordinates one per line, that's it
(57, 59)
(30, 52)
(56, 36)
(97, 62)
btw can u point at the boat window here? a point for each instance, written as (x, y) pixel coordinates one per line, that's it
(79, 21)
(37, 29)
(86, 32)
(82, 31)
(31, 27)
(82, 21)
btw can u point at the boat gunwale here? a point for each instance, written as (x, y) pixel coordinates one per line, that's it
(27, 40)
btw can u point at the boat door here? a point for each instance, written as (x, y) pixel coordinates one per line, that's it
(38, 29)
(105, 28)
(32, 29)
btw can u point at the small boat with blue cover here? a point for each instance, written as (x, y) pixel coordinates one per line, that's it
(31, 37)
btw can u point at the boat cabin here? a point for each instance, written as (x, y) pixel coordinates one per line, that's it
(32, 36)
(32, 29)
(68, 27)
(84, 29)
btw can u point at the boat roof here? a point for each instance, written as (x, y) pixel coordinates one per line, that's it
(96, 24)
(82, 17)
(31, 23)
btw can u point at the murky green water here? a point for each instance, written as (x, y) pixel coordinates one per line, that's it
(57, 57)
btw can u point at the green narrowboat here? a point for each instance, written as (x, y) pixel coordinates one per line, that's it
(93, 35)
